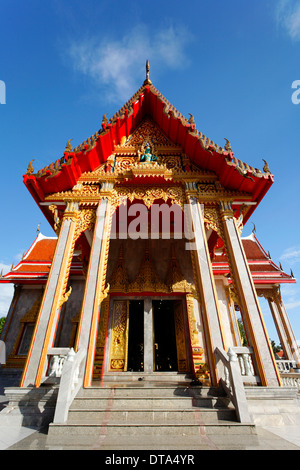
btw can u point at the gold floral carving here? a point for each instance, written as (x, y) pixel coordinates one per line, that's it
(148, 194)
(176, 281)
(147, 279)
(211, 217)
(148, 132)
(119, 339)
(57, 221)
(101, 338)
(201, 369)
(119, 280)
(86, 221)
(273, 293)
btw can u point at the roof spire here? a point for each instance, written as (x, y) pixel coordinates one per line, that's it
(147, 81)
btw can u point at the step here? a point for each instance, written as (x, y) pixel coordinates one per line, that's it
(144, 430)
(143, 390)
(151, 416)
(133, 377)
(134, 410)
(148, 403)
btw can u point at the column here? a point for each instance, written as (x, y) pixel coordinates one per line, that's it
(95, 287)
(206, 286)
(148, 336)
(283, 326)
(246, 292)
(54, 297)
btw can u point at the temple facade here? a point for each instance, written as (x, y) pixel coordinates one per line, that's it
(149, 275)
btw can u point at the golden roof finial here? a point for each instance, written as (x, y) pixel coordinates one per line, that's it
(147, 81)
(30, 168)
(227, 146)
(69, 146)
(266, 167)
(191, 120)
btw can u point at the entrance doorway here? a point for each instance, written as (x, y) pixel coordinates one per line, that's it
(147, 335)
(165, 349)
(135, 361)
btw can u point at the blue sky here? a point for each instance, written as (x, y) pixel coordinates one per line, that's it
(230, 64)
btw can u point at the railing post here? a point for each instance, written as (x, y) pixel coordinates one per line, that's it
(69, 384)
(234, 383)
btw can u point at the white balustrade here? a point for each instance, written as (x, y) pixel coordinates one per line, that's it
(233, 381)
(285, 365)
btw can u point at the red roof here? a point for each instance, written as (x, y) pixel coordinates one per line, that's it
(63, 174)
(36, 263)
(262, 267)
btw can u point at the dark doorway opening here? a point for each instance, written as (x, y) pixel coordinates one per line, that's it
(164, 336)
(135, 359)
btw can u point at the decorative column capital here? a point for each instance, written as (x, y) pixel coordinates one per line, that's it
(191, 189)
(72, 210)
(272, 293)
(106, 188)
(226, 210)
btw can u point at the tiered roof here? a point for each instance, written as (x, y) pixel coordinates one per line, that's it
(147, 102)
(262, 267)
(35, 265)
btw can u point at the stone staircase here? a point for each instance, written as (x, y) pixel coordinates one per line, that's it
(143, 410)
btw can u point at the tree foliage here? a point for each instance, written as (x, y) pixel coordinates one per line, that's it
(2, 321)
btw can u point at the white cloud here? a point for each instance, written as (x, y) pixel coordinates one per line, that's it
(117, 66)
(292, 255)
(288, 17)
(6, 292)
(290, 296)
(6, 295)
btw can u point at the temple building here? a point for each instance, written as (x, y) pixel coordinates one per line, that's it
(148, 278)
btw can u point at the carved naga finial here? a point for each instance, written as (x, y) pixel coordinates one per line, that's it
(69, 147)
(227, 146)
(266, 167)
(191, 120)
(30, 168)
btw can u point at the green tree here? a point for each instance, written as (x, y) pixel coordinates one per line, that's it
(242, 332)
(275, 348)
(2, 321)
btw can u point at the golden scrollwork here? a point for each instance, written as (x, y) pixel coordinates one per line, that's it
(57, 221)
(273, 293)
(86, 221)
(148, 194)
(201, 369)
(211, 217)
